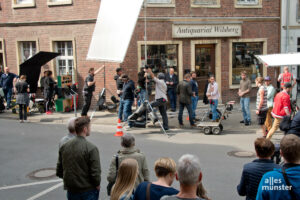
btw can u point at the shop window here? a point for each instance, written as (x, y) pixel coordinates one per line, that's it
(23, 3)
(2, 55)
(58, 2)
(27, 49)
(161, 57)
(243, 59)
(64, 62)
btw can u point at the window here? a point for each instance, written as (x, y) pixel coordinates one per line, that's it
(161, 57)
(243, 59)
(298, 10)
(160, 3)
(26, 50)
(248, 3)
(2, 55)
(58, 2)
(23, 3)
(64, 62)
(206, 3)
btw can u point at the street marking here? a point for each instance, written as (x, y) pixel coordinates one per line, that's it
(45, 191)
(29, 184)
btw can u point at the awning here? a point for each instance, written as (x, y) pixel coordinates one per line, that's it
(276, 60)
(32, 67)
(112, 34)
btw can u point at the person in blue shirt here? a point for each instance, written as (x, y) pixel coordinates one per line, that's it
(283, 184)
(165, 169)
(254, 170)
(7, 81)
(195, 96)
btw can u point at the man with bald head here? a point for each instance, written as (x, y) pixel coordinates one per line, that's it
(7, 81)
(286, 77)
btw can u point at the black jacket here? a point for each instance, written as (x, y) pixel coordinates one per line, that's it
(295, 125)
(174, 79)
(142, 80)
(251, 176)
(128, 90)
(184, 90)
(49, 84)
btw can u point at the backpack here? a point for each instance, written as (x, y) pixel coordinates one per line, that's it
(285, 124)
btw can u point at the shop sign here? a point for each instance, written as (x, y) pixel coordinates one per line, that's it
(206, 30)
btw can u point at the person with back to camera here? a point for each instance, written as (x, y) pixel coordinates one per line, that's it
(49, 84)
(253, 171)
(22, 100)
(123, 189)
(165, 169)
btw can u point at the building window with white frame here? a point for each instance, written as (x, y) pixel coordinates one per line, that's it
(159, 1)
(23, 3)
(64, 62)
(27, 49)
(205, 2)
(58, 2)
(247, 2)
(2, 55)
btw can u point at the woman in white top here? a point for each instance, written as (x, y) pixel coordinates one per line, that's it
(213, 96)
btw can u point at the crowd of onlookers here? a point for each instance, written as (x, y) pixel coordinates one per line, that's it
(128, 177)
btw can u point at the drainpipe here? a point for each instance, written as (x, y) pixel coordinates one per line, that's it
(287, 25)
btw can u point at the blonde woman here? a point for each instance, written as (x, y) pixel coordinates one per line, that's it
(165, 169)
(127, 173)
(22, 100)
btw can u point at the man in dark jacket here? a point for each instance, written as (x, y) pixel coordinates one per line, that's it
(79, 164)
(295, 125)
(127, 96)
(88, 89)
(195, 96)
(141, 88)
(253, 171)
(7, 81)
(172, 81)
(184, 90)
(118, 80)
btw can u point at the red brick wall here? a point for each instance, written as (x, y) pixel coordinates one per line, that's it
(158, 30)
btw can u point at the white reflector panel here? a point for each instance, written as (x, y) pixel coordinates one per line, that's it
(275, 60)
(115, 24)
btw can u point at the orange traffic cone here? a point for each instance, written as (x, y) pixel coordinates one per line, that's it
(119, 129)
(187, 118)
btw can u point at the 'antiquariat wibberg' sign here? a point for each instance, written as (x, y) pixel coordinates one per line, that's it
(207, 30)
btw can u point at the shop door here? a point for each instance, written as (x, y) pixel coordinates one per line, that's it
(204, 64)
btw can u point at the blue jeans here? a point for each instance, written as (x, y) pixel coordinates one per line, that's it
(194, 105)
(127, 110)
(7, 96)
(213, 107)
(245, 104)
(121, 107)
(189, 108)
(173, 99)
(90, 195)
(142, 97)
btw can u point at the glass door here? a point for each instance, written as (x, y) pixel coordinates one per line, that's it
(204, 64)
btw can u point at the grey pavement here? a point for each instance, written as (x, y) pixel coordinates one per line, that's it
(32, 146)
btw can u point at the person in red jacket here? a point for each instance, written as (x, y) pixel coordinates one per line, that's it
(281, 108)
(286, 77)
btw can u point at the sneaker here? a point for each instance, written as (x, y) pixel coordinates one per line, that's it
(26, 121)
(181, 125)
(242, 121)
(21, 121)
(193, 126)
(247, 123)
(49, 113)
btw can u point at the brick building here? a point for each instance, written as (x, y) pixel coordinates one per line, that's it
(218, 36)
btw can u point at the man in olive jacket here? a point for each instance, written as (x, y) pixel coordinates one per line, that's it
(184, 90)
(79, 164)
(129, 151)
